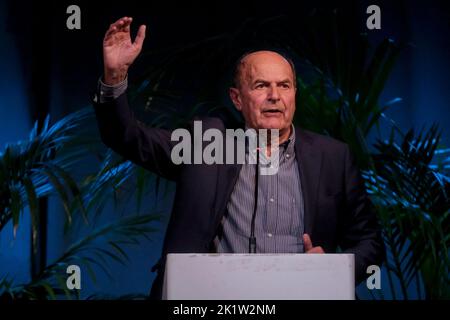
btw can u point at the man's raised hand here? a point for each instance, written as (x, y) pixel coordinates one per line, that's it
(118, 50)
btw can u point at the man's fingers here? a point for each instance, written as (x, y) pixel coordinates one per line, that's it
(139, 40)
(126, 24)
(316, 250)
(123, 24)
(309, 246)
(110, 32)
(307, 242)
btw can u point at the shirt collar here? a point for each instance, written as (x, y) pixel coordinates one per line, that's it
(287, 145)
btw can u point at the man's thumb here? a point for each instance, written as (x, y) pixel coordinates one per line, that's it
(307, 242)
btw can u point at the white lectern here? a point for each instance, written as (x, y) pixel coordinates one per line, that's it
(259, 277)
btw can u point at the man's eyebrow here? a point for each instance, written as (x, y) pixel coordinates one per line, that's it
(265, 81)
(260, 81)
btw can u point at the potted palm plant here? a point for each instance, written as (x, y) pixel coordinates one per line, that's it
(45, 165)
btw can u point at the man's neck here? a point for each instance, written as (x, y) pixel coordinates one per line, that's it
(283, 136)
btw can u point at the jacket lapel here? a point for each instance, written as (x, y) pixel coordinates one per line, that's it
(309, 160)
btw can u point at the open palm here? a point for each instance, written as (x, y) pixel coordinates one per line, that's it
(119, 51)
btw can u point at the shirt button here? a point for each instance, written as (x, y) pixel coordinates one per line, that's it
(287, 155)
(269, 235)
(272, 200)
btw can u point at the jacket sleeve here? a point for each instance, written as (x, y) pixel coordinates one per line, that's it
(360, 232)
(147, 147)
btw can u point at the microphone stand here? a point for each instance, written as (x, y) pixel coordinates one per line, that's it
(252, 239)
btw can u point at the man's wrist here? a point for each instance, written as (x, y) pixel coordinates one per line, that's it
(104, 84)
(110, 92)
(114, 77)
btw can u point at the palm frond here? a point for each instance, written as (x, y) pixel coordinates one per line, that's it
(37, 167)
(413, 208)
(103, 245)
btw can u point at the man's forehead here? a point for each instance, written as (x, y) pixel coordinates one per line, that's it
(265, 63)
(263, 57)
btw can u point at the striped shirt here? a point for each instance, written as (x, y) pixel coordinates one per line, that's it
(280, 211)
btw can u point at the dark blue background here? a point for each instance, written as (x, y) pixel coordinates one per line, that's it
(46, 68)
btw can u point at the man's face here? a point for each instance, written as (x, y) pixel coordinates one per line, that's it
(266, 92)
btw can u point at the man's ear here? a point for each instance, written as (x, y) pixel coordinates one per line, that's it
(235, 96)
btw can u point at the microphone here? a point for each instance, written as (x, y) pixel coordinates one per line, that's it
(252, 239)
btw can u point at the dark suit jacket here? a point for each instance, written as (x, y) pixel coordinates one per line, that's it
(337, 210)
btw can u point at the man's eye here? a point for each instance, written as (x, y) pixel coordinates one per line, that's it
(285, 86)
(259, 86)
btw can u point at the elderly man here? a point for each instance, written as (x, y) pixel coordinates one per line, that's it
(315, 203)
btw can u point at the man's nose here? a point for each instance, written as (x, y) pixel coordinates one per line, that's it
(274, 94)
